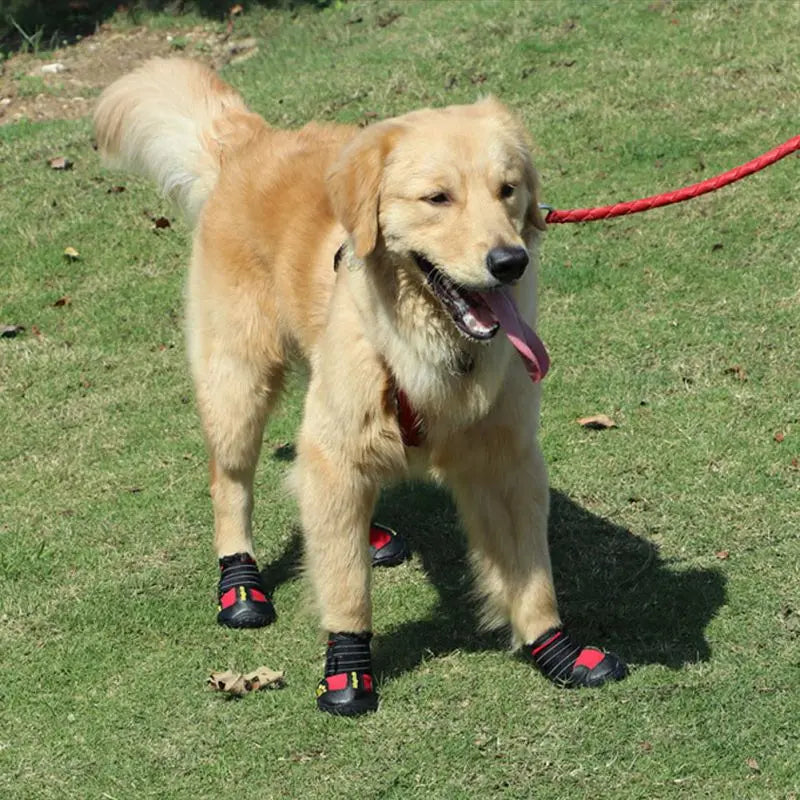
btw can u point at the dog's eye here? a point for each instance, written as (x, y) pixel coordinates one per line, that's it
(438, 199)
(507, 190)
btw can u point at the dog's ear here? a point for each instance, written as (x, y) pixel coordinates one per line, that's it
(354, 184)
(534, 215)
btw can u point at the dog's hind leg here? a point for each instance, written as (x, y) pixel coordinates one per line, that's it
(238, 367)
(235, 400)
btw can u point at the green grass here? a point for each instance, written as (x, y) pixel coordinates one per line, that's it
(106, 601)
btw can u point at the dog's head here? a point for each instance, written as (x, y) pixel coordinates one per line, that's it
(453, 193)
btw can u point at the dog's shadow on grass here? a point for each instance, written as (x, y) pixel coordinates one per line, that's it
(614, 588)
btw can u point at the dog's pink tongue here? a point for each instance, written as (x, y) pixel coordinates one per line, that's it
(528, 344)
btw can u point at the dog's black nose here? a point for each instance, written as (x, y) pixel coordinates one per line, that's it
(507, 263)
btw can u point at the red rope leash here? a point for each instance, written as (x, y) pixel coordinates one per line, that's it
(695, 190)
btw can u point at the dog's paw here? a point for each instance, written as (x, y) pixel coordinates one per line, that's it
(347, 694)
(242, 600)
(566, 663)
(387, 548)
(594, 667)
(348, 688)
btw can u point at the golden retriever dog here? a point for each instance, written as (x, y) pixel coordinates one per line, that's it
(400, 261)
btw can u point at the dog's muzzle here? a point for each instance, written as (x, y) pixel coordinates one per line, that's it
(507, 264)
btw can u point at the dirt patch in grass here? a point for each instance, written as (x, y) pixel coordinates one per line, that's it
(65, 83)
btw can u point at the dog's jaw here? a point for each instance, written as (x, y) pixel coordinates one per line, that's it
(470, 314)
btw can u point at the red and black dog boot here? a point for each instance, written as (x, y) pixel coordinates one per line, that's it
(571, 665)
(242, 600)
(386, 547)
(348, 688)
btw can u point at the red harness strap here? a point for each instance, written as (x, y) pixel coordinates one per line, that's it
(412, 428)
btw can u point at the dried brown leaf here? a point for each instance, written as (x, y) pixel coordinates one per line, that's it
(161, 222)
(753, 764)
(722, 555)
(597, 422)
(265, 678)
(236, 684)
(60, 162)
(228, 681)
(62, 301)
(779, 436)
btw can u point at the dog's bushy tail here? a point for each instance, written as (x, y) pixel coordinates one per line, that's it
(171, 120)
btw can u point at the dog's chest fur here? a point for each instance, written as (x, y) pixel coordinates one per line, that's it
(450, 381)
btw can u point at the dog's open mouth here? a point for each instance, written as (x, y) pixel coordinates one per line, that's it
(480, 314)
(467, 308)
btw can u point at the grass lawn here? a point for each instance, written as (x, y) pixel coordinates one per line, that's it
(674, 535)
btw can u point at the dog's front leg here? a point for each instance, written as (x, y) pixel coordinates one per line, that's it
(336, 500)
(500, 485)
(336, 505)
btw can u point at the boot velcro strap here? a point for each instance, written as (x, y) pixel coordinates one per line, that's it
(346, 680)
(348, 652)
(239, 574)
